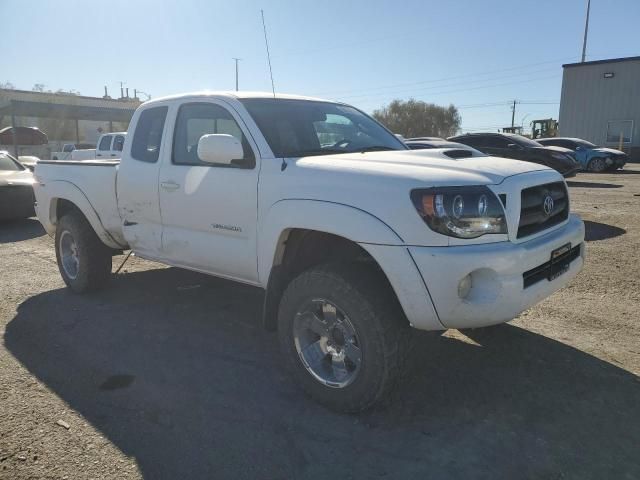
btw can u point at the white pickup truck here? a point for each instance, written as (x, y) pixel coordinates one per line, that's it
(353, 237)
(109, 146)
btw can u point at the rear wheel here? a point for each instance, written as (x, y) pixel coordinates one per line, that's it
(597, 165)
(343, 335)
(83, 260)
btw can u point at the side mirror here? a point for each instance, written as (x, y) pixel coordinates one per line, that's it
(219, 148)
(514, 146)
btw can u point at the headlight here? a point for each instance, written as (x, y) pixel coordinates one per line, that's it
(462, 212)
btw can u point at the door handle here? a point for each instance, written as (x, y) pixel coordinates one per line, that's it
(169, 186)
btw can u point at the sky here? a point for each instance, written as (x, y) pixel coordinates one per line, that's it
(478, 55)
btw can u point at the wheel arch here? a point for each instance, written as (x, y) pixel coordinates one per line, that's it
(297, 235)
(67, 198)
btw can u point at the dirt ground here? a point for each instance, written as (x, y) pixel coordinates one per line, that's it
(167, 374)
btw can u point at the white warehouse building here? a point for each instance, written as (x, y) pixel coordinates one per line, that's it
(600, 102)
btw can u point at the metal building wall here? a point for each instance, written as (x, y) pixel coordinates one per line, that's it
(589, 100)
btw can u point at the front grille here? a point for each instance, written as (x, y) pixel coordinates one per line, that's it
(533, 217)
(551, 269)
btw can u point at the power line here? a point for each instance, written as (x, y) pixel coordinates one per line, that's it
(506, 103)
(444, 79)
(444, 92)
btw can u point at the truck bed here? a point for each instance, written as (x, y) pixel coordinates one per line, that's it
(95, 180)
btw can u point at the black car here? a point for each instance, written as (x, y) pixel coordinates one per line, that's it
(16, 189)
(424, 144)
(509, 145)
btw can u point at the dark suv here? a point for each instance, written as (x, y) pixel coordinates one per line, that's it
(509, 145)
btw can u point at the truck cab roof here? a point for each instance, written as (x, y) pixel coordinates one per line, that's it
(234, 95)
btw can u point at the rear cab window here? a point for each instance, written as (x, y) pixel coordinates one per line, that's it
(105, 143)
(147, 137)
(118, 143)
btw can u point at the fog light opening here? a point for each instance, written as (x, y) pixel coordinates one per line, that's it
(464, 287)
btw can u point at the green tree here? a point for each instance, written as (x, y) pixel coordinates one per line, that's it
(415, 118)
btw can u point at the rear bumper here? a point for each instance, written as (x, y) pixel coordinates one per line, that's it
(497, 293)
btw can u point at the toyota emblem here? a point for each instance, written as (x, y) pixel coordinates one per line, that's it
(547, 205)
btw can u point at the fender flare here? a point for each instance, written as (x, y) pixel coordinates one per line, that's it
(65, 190)
(338, 219)
(384, 245)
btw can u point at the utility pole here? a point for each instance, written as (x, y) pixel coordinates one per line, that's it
(586, 31)
(237, 60)
(513, 113)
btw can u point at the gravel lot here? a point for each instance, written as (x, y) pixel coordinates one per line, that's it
(168, 374)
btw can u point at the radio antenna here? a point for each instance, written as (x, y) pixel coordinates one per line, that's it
(266, 42)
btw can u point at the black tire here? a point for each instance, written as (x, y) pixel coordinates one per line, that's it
(94, 257)
(597, 165)
(364, 295)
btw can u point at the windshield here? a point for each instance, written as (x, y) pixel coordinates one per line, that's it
(297, 128)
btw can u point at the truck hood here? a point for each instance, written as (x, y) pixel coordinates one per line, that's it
(432, 166)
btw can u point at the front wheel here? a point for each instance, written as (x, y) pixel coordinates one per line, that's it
(83, 260)
(597, 165)
(343, 335)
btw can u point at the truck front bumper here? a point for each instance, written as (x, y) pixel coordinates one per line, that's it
(486, 284)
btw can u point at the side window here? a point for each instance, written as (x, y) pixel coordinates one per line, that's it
(118, 142)
(475, 142)
(497, 142)
(105, 143)
(148, 135)
(198, 119)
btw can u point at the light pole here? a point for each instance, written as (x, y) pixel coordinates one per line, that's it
(586, 31)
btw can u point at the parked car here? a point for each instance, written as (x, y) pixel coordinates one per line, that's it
(29, 141)
(514, 146)
(68, 148)
(65, 153)
(425, 139)
(427, 144)
(28, 161)
(109, 147)
(16, 189)
(591, 157)
(353, 241)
